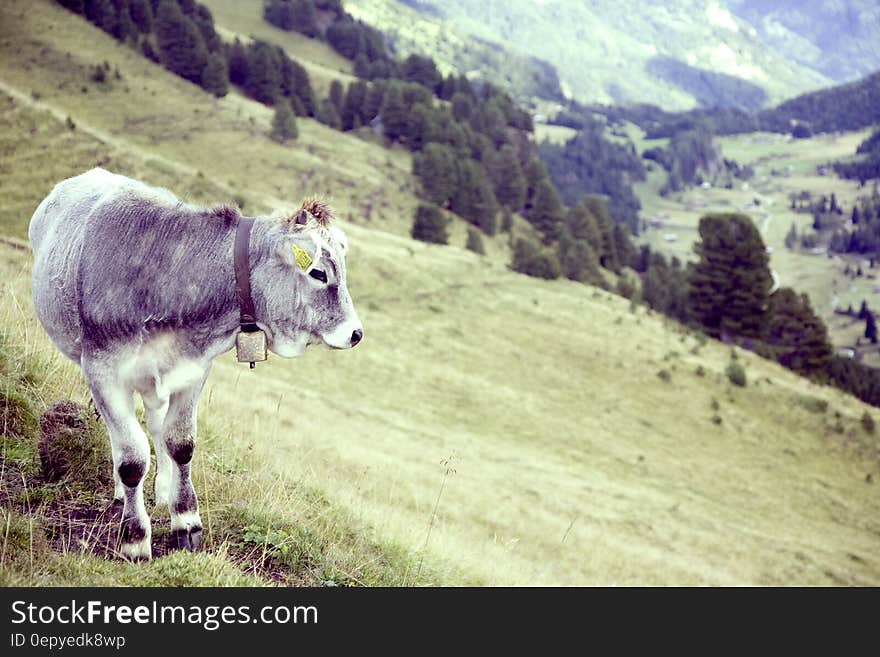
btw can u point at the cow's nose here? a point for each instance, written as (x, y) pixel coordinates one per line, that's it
(356, 336)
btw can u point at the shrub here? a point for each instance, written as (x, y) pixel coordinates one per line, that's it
(736, 374)
(529, 259)
(868, 422)
(664, 375)
(283, 123)
(814, 404)
(475, 241)
(430, 225)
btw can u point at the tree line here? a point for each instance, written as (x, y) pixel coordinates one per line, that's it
(851, 106)
(866, 167)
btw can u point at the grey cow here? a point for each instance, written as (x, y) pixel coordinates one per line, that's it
(139, 289)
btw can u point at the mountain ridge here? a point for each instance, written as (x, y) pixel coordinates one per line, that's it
(601, 52)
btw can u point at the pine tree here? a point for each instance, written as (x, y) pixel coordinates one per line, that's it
(283, 123)
(607, 250)
(215, 78)
(475, 241)
(328, 115)
(393, 113)
(76, 6)
(373, 101)
(305, 18)
(295, 84)
(423, 71)
(430, 225)
(142, 15)
(871, 328)
(280, 14)
(353, 105)
(474, 199)
(419, 126)
(181, 46)
(730, 282)
(125, 28)
(337, 95)
(507, 177)
(238, 64)
(436, 169)
(462, 106)
(797, 337)
(102, 14)
(362, 66)
(546, 211)
(264, 74)
(577, 259)
(529, 259)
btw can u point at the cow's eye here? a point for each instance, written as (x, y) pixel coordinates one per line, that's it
(318, 275)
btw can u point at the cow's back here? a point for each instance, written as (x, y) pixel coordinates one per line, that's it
(57, 234)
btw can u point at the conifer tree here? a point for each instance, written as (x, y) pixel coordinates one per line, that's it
(142, 14)
(797, 337)
(373, 101)
(353, 104)
(730, 282)
(529, 259)
(871, 328)
(328, 115)
(608, 250)
(264, 74)
(393, 113)
(507, 177)
(436, 169)
(337, 95)
(305, 18)
(362, 66)
(102, 14)
(181, 46)
(546, 211)
(475, 241)
(283, 123)
(238, 64)
(124, 28)
(430, 225)
(215, 78)
(474, 199)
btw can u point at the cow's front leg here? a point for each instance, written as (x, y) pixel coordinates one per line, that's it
(156, 409)
(179, 434)
(131, 454)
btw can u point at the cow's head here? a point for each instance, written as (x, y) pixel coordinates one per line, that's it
(305, 297)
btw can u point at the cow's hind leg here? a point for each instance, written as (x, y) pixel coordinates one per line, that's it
(131, 453)
(179, 434)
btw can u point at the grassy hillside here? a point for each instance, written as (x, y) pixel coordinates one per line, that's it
(603, 51)
(491, 429)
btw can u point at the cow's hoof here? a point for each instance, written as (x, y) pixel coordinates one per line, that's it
(188, 539)
(137, 550)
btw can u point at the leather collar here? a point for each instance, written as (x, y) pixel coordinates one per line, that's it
(241, 263)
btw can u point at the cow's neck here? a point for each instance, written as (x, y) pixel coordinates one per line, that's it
(216, 334)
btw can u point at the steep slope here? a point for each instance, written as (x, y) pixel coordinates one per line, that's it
(618, 52)
(563, 434)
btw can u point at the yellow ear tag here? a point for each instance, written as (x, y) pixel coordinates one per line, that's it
(303, 259)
